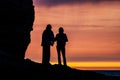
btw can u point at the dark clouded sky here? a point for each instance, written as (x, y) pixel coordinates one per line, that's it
(60, 2)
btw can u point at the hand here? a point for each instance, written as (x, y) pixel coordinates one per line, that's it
(52, 43)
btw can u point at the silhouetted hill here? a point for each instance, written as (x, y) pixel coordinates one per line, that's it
(32, 70)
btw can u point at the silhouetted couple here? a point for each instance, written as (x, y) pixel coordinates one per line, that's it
(48, 40)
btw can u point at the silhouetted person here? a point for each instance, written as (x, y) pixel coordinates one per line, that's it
(16, 23)
(47, 41)
(61, 39)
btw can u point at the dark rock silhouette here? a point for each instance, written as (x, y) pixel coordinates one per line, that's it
(16, 23)
(35, 71)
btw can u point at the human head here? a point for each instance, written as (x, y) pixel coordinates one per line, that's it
(48, 27)
(61, 30)
(17, 17)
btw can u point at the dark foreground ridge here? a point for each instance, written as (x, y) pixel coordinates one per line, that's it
(28, 69)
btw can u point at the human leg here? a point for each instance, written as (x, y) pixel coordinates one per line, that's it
(46, 55)
(59, 57)
(64, 56)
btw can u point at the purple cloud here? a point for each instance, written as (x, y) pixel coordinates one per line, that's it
(61, 2)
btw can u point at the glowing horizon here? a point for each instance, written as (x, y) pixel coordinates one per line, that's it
(94, 65)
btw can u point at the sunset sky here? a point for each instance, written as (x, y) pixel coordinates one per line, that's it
(92, 27)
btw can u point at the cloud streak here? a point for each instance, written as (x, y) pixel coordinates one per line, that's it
(61, 2)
